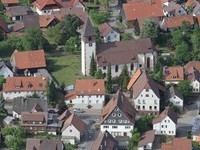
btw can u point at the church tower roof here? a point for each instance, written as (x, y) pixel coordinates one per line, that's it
(88, 29)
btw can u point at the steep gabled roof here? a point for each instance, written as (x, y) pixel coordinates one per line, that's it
(167, 112)
(40, 4)
(105, 141)
(195, 64)
(105, 29)
(174, 92)
(88, 29)
(134, 78)
(35, 117)
(120, 101)
(192, 74)
(76, 122)
(65, 115)
(147, 137)
(3, 25)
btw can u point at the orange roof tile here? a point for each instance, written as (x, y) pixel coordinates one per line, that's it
(45, 20)
(10, 1)
(173, 73)
(25, 84)
(29, 59)
(134, 78)
(40, 4)
(134, 10)
(172, 22)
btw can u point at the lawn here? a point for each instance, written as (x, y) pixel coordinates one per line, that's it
(66, 69)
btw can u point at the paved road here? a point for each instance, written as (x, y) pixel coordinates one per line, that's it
(114, 12)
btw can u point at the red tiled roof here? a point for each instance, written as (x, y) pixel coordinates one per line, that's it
(172, 22)
(178, 144)
(40, 4)
(195, 64)
(134, 78)
(25, 84)
(45, 20)
(10, 1)
(36, 116)
(105, 29)
(147, 137)
(3, 25)
(29, 59)
(173, 73)
(141, 9)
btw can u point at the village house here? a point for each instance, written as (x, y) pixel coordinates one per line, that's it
(178, 144)
(133, 13)
(193, 6)
(171, 9)
(173, 22)
(3, 27)
(105, 141)
(28, 62)
(175, 97)
(88, 93)
(5, 70)
(172, 75)
(27, 104)
(24, 87)
(146, 93)
(16, 13)
(54, 6)
(44, 144)
(46, 21)
(196, 129)
(108, 34)
(28, 22)
(165, 123)
(118, 116)
(147, 140)
(9, 3)
(192, 73)
(135, 54)
(73, 130)
(34, 121)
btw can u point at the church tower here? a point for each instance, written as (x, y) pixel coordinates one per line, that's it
(88, 46)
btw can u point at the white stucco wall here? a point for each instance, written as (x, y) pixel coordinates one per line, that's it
(71, 131)
(196, 86)
(46, 12)
(12, 95)
(82, 101)
(148, 147)
(112, 37)
(176, 101)
(146, 99)
(6, 72)
(119, 131)
(165, 127)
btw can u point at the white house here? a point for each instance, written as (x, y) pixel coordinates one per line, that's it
(118, 116)
(134, 53)
(24, 87)
(88, 93)
(73, 129)
(146, 140)
(108, 34)
(5, 71)
(165, 123)
(175, 97)
(146, 93)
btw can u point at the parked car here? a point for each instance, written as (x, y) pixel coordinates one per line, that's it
(78, 110)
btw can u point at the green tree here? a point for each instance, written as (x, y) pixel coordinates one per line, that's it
(2, 102)
(64, 30)
(196, 43)
(72, 45)
(14, 137)
(143, 124)
(15, 42)
(99, 74)
(149, 30)
(109, 80)
(126, 36)
(2, 80)
(133, 142)
(182, 53)
(124, 78)
(185, 88)
(51, 92)
(33, 40)
(99, 17)
(93, 66)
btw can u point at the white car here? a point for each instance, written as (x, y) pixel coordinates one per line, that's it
(78, 110)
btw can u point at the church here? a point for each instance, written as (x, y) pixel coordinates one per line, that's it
(139, 53)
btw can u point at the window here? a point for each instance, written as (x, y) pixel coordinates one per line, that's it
(150, 107)
(105, 126)
(116, 68)
(169, 132)
(132, 66)
(70, 130)
(140, 65)
(116, 109)
(147, 95)
(138, 107)
(90, 38)
(97, 101)
(144, 101)
(113, 114)
(127, 127)
(162, 126)
(165, 120)
(161, 132)
(143, 107)
(155, 101)
(141, 95)
(119, 114)
(114, 127)
(113, 120)
(120, 121)
(89, 101)
(138, 101)
(104, 67)
(125, 121)
(155, 107)
(172, 131)
(168, 120)
(82, 101)
(90, 44)
(166, 126)
(147, 90)
(109, 120)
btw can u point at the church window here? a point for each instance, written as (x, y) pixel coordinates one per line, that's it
(116, 68)
(132, 66)
(104, 67)
(90, 38)
(148, 63)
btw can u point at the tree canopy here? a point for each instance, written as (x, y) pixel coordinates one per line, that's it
(133, 142)
(93, 66)
(185, 88)
(109, 79)
(124, 78)
(143, 124)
